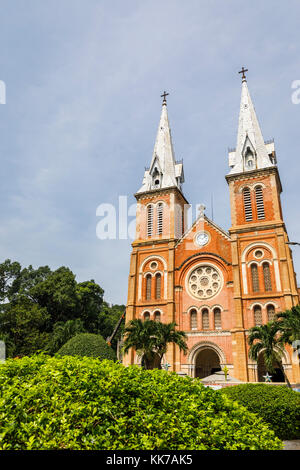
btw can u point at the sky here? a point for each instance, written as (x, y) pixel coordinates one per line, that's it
(83, 83)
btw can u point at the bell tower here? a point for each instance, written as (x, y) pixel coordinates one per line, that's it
(264, 278)
(160, 222)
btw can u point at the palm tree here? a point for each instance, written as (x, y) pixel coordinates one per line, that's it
(266, 340)
(289, 324)
(150, 339)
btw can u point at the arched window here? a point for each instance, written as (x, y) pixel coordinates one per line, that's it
(217, 319)
(160, 210)
(257, 315)
(146, 316)
(267, 277)
(158, 286)
(247, 204)
(271, 312)
(194, 323)
(255, 279)
(205, 319)
(148, 286)
(157, 316)
(259, 202)
(249, 159)
(150, 220)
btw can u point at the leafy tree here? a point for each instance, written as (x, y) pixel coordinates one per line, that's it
(62, 332)
(289, 326)
(266, 340)
(23, 328)
(9, 279)
(151, 338)
(89, 305)
(69, 307)
(108, 319)
(57, 293)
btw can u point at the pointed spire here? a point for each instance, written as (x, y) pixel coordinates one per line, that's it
(164, 172)
(251, 151)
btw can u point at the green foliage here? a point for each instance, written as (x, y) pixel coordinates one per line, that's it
(62, 332)
(87, 344)
(42, 309)
(289, 324)
(277, 405)
(22, 328)
(108, 319)
(266, 340)
(151, 338)
(83, 403)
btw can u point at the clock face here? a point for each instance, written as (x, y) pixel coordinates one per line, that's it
(201, 239)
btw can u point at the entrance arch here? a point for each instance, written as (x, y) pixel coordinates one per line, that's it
(207, 362)
(277, 375)
(205, 358)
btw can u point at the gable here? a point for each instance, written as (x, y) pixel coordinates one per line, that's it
(204, 237)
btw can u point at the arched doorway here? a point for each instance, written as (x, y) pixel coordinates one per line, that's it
(156, 364)
(277, 375)
(207, 363)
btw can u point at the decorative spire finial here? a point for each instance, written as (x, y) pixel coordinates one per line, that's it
(164, 96)
(201, 210)
(243, 72)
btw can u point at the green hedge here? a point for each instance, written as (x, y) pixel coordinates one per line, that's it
(277, 405)
(87, 344)
(84, 403)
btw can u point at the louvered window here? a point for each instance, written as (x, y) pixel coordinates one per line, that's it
(146, 316)
(259, 203)
(257, 316)
(160, 209)
(194, 324)
(217, 319)
(267, 277)
(150, 221)
(205, 319)
(271, 312)
(247, 205)
(158, 286)
(255, 279)
(148, 286)
(157, 316)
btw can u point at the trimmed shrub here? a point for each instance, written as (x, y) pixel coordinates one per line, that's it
(84, 403)
(87, 344)
(277, 405)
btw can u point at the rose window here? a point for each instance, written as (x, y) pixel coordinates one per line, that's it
(204, 282)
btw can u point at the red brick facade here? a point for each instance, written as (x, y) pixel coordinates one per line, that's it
(219, 288)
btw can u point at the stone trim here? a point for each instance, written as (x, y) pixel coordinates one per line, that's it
(204, 253)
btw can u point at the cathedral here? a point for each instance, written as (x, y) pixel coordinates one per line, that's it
(214, 284)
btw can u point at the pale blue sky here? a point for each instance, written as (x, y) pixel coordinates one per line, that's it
(84, 79)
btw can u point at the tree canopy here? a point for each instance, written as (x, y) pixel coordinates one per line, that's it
(41, 309)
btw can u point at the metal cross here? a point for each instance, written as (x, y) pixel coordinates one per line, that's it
(164, 95)
(243, 72)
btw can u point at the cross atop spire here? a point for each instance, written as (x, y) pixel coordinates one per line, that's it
(164, 96)
(251, 153)
(243, 72)
(164, 171)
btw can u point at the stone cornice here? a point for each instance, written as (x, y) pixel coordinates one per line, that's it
(257, 228)
(254, 173)
(156, 192)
